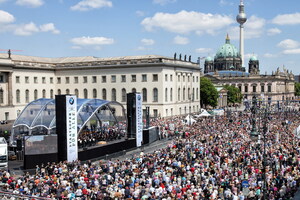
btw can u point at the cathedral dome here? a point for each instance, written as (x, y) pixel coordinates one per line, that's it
(208, 59)
(227, 50)
(253, 58)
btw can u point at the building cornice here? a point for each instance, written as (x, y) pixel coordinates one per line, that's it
(83, 63)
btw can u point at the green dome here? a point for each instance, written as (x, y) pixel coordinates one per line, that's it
(227, 50)
(208, 59)
(253, 58)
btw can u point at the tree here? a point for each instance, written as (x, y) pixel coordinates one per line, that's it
(297, 89)
(234, 94)
(208, 93)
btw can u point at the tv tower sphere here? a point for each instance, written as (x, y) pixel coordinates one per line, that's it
(241, 18)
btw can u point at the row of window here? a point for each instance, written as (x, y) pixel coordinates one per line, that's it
(188, 78)
(94, 79)
(254, 88)
(113, 79)
(35, 79)
(191, 96)
(168, 93)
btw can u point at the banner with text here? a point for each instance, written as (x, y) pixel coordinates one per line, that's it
(71, 112)
(139, 120)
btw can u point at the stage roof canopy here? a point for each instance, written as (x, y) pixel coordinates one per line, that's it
(38, 116)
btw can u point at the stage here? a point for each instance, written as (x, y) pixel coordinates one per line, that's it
(97, 151)
(101, 150)
(86, 153)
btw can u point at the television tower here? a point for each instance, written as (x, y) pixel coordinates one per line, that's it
(241, 18)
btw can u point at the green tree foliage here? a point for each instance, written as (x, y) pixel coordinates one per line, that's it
(208, 93)
(234, 94)
(297, 89)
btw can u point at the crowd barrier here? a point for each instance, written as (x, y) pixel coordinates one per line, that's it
(12, 196)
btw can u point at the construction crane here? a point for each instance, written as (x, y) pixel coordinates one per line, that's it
(9, 51)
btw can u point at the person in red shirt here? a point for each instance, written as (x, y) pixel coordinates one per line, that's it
(84, 191)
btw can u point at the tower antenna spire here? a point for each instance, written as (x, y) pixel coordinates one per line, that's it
(241, 18)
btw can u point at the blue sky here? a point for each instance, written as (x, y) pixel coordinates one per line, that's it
(109, 28)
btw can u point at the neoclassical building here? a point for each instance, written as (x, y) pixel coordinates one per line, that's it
(225, 69)
(169, 86)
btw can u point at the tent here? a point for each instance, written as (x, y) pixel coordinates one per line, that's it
(204, 113)
(189, 120)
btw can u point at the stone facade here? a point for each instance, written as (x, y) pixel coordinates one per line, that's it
(169, 87)
(276, 87)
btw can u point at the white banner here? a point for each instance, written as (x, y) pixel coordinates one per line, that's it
(139, 120)
(71, 118)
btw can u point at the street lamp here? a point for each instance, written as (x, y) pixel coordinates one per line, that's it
(254, 134)
(255, 137)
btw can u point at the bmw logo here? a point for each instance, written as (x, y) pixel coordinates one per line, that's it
(71, 100)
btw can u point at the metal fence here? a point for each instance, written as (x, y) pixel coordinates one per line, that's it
(12, 196)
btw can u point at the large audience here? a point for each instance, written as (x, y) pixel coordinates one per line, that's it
(211, 159)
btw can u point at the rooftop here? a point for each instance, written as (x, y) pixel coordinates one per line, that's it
(35, 61)
(229, 73)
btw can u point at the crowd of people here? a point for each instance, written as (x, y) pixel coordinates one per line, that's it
(211, 159)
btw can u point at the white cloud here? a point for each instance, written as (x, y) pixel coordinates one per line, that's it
(49, 28)
(89, 41)
(6, 17)
(86, 5)
(147, 41)
(255, 22)
(203, 50)
(291, 51)
(287, 19)
(185, 22)
(181, 40)
(273, 31)
(31, 28)
(7, 25)
(30, 3)
(269, 55)
(163, 2)
(26, 29)
(288, 44)
(254, 28)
